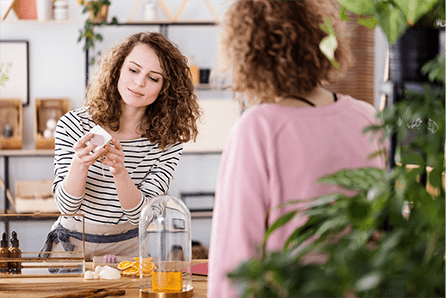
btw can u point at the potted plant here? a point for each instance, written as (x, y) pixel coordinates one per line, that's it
(396, 240)
(97, 9)
(98, 12)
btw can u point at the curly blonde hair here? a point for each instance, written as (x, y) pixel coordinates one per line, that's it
(172, 117)
(271, 48)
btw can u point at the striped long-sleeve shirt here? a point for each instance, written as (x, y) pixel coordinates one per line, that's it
(149, 167)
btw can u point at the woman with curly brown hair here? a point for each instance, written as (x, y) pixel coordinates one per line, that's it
(294, 132)
(143, 97)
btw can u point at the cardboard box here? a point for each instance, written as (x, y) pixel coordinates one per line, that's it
(48, 109)
(11, 122)
(32, 196)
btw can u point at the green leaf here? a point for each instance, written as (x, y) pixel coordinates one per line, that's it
(335, 224)
(358, 6)
(415, 9)
(368, 281)
(115, 21)
(358, 179)
(278, 223)
(358, 210)
(368, 22)
(412, 159)
(392, 21)
(435, 69)
(327, 200)
(343, 14)
(328, 46)
(81, 35)
(436, 178)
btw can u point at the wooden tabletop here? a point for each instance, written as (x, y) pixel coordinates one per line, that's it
(40, 287)
(27, 152)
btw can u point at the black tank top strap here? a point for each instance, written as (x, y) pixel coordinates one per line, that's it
(335, 97)
(305, 100)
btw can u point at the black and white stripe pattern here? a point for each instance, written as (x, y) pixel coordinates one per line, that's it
(150, 168)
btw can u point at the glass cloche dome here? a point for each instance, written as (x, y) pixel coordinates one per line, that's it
(165, 240)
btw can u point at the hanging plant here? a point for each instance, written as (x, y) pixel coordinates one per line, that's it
(98, 12)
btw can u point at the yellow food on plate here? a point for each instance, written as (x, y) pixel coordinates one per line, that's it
(135, 265)
(132, 268)
(124, 265)
(130, 271)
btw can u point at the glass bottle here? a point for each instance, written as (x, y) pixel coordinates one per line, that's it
(15, 253)
(4, 254)
(165, 240)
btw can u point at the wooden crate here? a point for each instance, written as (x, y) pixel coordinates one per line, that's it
(35, 195)
(11, 115)
(46, 109)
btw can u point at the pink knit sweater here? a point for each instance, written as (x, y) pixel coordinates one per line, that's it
(276, 154)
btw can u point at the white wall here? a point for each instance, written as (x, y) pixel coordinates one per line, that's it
(57, 70)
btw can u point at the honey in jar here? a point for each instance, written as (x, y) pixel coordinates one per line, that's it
(167, 281)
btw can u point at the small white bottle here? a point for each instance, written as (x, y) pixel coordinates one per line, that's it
(150, 13)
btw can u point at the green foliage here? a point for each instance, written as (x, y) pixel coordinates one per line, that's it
(393, 16)
(89, 31)
(329, 43)
(435, 69)
(405, 259)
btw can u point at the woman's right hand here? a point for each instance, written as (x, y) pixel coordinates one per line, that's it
(84, 155)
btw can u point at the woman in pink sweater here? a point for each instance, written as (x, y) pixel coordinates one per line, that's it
(294, 132)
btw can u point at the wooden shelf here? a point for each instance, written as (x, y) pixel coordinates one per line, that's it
(24, 217)
(201, 214)
(171, 23)
(132, 23)
(27, 152)
(37, 22)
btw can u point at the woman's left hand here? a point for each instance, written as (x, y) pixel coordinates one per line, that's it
(114, 158)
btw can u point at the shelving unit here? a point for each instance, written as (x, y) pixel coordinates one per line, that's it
(37, 22)
(6, 154)
(164, 26)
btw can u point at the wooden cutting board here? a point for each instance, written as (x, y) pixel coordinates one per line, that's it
(58, 284)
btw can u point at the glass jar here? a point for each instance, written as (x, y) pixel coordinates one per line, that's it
(150, 13)
(165, 240)
(60, 10)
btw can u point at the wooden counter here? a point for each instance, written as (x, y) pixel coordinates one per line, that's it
(39, 287)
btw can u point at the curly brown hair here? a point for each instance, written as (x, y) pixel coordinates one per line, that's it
(271, 48)
(172, 117)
